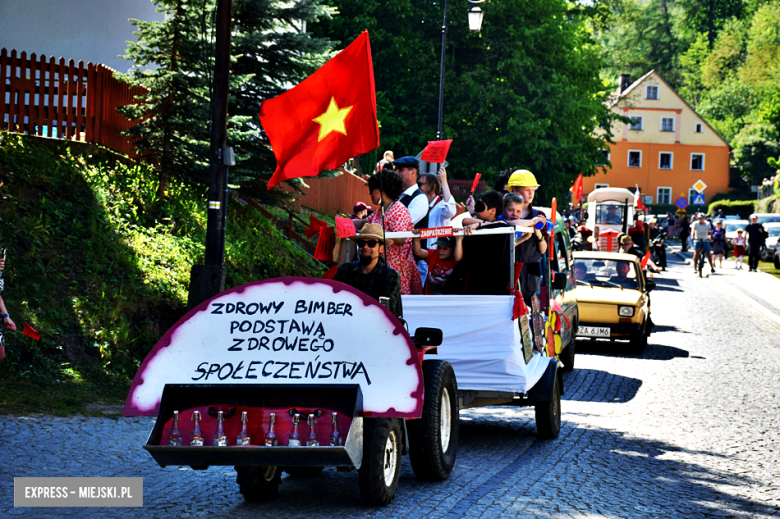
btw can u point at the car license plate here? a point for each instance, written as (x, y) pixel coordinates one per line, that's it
(593, 331)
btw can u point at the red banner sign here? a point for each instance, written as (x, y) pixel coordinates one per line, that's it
(436, 151)
(435, 232)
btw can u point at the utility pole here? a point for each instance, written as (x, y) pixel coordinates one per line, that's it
(208, 280)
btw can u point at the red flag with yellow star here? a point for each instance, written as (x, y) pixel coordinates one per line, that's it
(326, 119)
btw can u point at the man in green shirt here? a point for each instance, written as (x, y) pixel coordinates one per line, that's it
(369, 273)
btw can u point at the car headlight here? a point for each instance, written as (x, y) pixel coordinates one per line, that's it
(626, 311)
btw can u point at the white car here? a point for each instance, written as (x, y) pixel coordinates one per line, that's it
(765, 218)
(732, 226)
(770, 251)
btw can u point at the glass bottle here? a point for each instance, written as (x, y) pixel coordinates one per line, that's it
(336, 440)
(174, 439)
(270, 437)
(220, 438)
(243, 436)
(196, 438)
(295, 438)
(313, 440)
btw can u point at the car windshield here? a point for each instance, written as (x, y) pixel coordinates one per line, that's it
(773, 230)
(764, 218)
(609, 273)
(609, 214)
(733, 226)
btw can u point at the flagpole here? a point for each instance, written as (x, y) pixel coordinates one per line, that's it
(441, 78)
(208, 280)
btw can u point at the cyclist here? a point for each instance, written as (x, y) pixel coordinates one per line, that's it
(700, 230)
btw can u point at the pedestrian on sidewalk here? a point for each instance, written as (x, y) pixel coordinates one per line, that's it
(739, 249)
(718, 237)
(685, 231)
(756, 238)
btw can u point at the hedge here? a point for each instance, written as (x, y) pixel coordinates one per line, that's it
(742, 207)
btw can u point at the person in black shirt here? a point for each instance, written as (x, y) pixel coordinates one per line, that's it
(756, 239)
(369, 273)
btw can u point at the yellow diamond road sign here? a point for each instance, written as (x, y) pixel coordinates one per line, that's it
(699, 186)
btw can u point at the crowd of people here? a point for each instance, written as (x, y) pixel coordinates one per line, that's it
(409, 201)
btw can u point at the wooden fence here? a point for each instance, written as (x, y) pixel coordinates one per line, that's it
(333, 195)
(64, 100)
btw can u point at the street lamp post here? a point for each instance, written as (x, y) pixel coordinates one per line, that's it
(475, 24)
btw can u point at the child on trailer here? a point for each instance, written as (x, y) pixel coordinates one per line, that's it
(739, 249)
(441, 261)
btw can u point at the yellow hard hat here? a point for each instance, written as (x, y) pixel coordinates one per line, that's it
(522, 178)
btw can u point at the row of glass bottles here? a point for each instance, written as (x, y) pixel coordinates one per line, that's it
(243, 438)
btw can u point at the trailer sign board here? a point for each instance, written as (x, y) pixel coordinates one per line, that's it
(287, 331)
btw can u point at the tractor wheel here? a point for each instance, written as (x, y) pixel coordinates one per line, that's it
(433, 439)
(258, 483)
(381, 468)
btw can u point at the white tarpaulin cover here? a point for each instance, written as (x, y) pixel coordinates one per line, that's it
(481, 340)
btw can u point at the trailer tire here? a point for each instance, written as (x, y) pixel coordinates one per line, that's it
(380, 470)
(433, 439)
(259, 483)
(304, 472)
(548, 414)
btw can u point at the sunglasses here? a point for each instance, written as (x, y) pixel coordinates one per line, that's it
(362, 243)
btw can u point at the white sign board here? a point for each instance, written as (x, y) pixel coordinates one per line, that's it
(287, 331)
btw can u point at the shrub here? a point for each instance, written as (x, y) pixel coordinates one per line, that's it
(741, 207)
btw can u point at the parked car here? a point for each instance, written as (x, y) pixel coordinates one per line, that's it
(613, 298)
(732, 226)
(769, 253)
(768, 217)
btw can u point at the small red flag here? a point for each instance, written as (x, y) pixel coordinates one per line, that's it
(325, 244)
(436, 151)
(327, 118)
(315, 224)
(331, 273)
(639, 205)
(30, 332)
(644, 260)
(576, 189)
(345, 227)
(476, 181)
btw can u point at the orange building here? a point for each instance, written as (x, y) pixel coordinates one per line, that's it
(666, 151)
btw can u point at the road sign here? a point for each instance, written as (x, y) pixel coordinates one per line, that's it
(699, 186)
(681, 203)
(698, 199)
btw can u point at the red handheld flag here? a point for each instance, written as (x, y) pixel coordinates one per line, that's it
(30, 332)
(326, 119)
(645, 259)
(436, 151)
(476, 181)
(345, 227)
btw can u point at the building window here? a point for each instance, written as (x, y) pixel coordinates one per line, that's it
(697, 161)
(647, 199)
(605, 160)
(691, 195)
(665, 160)
(634, 159)
(699, 127)
(664, 195)
(652, 92)
(667, 124)
(636, 123)
(600, 186)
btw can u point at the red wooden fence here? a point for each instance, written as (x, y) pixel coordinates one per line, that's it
(65, 101)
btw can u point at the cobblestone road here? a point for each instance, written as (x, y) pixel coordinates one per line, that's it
(689, 429)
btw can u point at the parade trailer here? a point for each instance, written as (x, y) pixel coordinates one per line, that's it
(297, 374)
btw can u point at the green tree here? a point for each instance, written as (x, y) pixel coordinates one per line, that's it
(754, 146)
(270, 52)
(524, 92)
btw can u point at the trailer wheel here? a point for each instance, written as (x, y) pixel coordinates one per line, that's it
(433, 439)
(548, 414)
(304, 472)
(380, 470)
(258, 483)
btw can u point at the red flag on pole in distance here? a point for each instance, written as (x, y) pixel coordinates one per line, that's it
(576, 189)
(30, 332)
(326, 119)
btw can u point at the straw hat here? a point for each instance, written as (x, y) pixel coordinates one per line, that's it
(372, 231)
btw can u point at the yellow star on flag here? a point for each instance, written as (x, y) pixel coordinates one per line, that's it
(332, 120)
